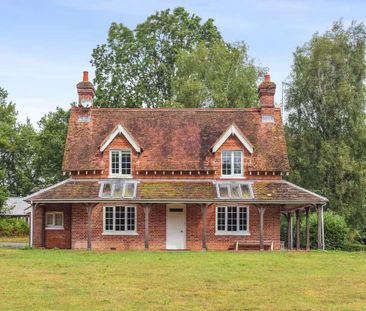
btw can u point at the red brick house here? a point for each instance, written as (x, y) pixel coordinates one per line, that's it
(172, 179)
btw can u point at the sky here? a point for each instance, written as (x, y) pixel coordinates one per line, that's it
(45, 45)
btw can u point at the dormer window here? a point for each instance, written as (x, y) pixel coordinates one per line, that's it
(120, 163)
(232, 163)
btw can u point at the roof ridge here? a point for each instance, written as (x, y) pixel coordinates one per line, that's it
(251, 109)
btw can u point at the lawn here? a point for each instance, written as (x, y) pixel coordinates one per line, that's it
(75, 280)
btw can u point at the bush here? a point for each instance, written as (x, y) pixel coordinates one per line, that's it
(354, 247)
(335, 230)
(13, 227)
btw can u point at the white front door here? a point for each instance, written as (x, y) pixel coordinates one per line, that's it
(175, 226)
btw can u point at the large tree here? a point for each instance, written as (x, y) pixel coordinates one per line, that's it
(326, 123)
(135, 67)
(220, 75)
(50, 146)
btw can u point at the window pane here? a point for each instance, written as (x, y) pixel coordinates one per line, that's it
(237, 162)
(115, 169)
(224, 190)
(107, 190)
(120, 218)
(226, 163)
(109, 218)
(243, 214)
(118, 188)
(49, 219)
(245, 191)
(235, 191)
(126, 162)
(58, 219)
(130, 218)
(221, 218)
(129, 190)
(232, 218)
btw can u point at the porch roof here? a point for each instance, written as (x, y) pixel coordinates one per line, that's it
(175, 191)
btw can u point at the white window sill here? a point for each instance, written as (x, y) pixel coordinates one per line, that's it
(119, 176)
(119, 233)
(54, 228)
(232, 177)
(240, 233)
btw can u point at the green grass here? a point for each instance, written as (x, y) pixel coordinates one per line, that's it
(15, 239)
(72, 280)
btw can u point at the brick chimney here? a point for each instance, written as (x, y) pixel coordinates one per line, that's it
(86, 91)
(267, 90)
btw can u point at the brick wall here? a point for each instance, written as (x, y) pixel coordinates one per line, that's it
(157, 226)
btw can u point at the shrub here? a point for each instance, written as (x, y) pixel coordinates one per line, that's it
(335, 230)
(354, 247)
(13, 227)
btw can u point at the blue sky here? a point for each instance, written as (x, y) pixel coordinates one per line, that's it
(45, 45)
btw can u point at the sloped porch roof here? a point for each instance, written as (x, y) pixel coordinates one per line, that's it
(176, 191)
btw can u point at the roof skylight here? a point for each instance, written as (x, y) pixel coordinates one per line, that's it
(118, 189)
(234, 190)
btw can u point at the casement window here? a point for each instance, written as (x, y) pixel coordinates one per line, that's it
(119, 220)
(118, 189)
(120, 163)
(234, 190)
(268, 119)
(232, 163)
(232, 220)
(54, 220)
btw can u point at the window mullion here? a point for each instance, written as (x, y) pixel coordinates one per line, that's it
(226, 216)
(126, 218)
(232, 163)
(114, 218)
(237, 218)
(120, 162)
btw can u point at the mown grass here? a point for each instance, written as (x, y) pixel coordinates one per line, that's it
(72, 280)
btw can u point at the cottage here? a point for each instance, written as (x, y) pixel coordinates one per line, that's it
(172, 179)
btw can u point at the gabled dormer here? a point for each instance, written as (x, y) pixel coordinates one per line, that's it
(231, 150)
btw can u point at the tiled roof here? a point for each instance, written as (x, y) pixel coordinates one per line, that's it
(174, 139)
(264, 192)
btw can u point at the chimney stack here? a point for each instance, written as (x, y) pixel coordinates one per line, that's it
(86, 91)
(266, 91)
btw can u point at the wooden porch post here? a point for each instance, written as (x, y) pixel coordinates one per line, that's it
(204, 213)
(297, 230)
(89, 209)
(307, 209)
(43, 227)
(146, 231)
(289, 231)
(261, 211)
(320, 227)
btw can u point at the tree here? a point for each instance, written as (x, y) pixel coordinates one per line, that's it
(219, 75)
(50, 146)
(326, 125)
(135, 67)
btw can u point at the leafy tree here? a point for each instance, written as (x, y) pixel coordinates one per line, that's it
(135, 67)
(50, 146)
(326, 123)
(219, 75)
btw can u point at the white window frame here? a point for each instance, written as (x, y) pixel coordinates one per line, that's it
(226, 232)
(119, 232)
(228, 184)
(53, 226)
(119, 175)
(232, 175)
(113, 186)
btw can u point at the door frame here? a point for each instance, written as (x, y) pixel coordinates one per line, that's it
(176, 205)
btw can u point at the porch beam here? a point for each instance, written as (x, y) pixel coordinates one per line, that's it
(307, 210)
(261, 210)
(297, 230)
(89, 210)
(204, 225)
(147, 209)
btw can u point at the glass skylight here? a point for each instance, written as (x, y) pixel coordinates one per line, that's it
(118, 189)
(234, 190)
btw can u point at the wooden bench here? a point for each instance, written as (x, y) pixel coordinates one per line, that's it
(255, 243)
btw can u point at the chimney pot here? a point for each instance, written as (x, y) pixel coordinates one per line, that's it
(85, 76)
(267, 77)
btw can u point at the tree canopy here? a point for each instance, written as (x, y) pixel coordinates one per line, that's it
(326, 124)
